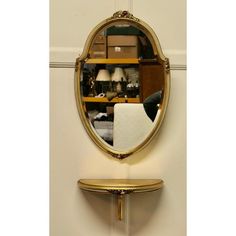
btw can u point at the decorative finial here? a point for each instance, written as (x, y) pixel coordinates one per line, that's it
(123, 14)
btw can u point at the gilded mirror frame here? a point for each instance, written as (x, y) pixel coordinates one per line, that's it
(124, 17)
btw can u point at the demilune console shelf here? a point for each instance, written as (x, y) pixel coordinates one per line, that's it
(120, 187)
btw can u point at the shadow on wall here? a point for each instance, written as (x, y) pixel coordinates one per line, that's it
(100, 205)
(142, 208)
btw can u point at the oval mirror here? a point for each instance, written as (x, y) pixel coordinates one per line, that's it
(122, 84)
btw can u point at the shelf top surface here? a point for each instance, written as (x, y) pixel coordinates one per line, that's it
(109, 185)
(116, 99)
(112, 61)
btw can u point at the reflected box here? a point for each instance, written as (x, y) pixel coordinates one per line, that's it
(122, 46)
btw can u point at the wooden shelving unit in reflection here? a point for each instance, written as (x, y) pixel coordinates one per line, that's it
(114, 100)
(112, 61)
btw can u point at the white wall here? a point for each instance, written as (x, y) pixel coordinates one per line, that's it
(74, 155)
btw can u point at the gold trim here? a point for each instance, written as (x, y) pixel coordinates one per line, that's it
(84, 58)
(167, 65)
(123, 14)
(120, 187)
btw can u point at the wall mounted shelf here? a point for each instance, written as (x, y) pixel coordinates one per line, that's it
(112, 61)
(114, 100)
(120, 187)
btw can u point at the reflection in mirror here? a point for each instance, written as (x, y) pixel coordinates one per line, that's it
(121, 100)
(122, 85)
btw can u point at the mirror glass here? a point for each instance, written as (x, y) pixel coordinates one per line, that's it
(121, 86)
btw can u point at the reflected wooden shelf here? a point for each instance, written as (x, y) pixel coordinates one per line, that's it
(114, 100)
(120, 187)
(112, 61)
